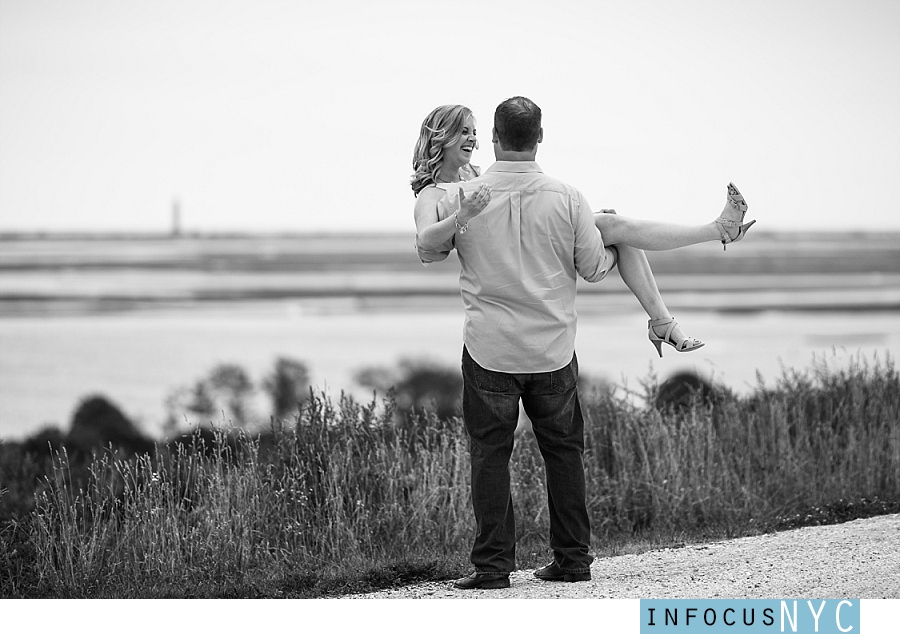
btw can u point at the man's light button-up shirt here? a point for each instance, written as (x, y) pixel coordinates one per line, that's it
(519, 261)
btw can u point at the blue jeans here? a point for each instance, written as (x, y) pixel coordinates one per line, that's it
(491, 413)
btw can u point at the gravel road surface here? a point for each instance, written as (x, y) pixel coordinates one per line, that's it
(858, 559)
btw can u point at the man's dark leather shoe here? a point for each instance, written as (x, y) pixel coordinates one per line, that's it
(552, 572)
(483, 581)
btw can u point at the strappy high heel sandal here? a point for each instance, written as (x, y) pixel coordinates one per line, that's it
(732, 217)
(685, 345)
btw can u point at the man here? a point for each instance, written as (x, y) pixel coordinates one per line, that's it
(520, 259)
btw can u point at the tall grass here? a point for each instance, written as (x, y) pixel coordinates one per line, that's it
(343, 490)
(819, 442)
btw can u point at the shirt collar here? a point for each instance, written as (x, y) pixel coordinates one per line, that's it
(515, 166)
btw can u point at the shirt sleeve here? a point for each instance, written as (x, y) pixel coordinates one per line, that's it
(447, 206)
(593, 260)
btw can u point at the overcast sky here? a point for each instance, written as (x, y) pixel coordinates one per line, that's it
(301, 116)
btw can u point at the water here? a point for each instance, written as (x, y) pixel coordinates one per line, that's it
(136, 358)
(135, 317)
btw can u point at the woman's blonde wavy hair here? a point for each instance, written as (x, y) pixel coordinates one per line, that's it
(441, 128)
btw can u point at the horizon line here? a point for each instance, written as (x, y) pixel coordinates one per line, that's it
(326, 233)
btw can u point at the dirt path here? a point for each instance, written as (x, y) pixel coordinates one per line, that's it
(858, 559)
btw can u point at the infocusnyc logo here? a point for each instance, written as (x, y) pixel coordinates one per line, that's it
(750, 616)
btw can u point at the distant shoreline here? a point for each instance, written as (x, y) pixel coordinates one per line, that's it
(789, 234)
(195, 235)
(94, 273)
(337, 302)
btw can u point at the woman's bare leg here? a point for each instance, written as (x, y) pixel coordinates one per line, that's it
(638, 277)
(635, 271)
(651, 235)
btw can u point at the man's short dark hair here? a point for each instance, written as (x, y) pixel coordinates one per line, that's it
(517, 122)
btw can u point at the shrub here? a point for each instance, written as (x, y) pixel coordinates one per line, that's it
(287, 385)
(98, 423)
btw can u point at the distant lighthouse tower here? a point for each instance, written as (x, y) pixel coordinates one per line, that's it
(176, 218)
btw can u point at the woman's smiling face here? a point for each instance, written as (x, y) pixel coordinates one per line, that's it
(460, 153)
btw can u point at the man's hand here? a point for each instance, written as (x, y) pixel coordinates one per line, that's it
(471, 206)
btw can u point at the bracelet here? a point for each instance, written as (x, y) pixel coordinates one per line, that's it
(461, 228)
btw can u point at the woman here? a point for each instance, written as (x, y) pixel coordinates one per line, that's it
(441, 161)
